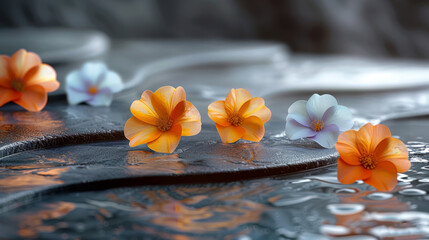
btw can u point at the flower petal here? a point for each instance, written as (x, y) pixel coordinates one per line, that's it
(167, 141)
(235, 99)
(100, 99)
(300, 119)
(44, 76)
(393, 150)
(190, 113)
(383, 176)
(230, 134)
(22, 61)
(295, 130)
(254, 127)
(370, 135)
(348, 174)
(5, 76)
(139, 132)
(255, 107)
(7, 95)
(179, 95)
(217, 113)
(298, 110)
(191, 128)
(111, 81)
(328, 136)
(346, 147)
(93, 72)
(317, 105)
(74, 96)
(340, 116)
(143, 110)
(33, 99)
(161, 100)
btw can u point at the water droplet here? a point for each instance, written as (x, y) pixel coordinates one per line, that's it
(420, 160)
(379, 196)
(412, 192)
(425, 180)
(334, 230)
(345, 209)
(405, 178)
(346, 190)
(291, 201)
(302, 181)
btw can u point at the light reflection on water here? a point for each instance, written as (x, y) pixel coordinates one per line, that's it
(311, 205)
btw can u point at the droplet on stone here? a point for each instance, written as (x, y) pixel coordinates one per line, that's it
(412, 192)
(345, 209)
(379, 196)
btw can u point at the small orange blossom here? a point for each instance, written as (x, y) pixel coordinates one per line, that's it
(161, 118)
(240, 116)
(26, 81)
(372, 155)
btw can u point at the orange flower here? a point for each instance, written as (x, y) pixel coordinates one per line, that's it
(372, 155)
(26, 81)
(161, 118)
(240, 116)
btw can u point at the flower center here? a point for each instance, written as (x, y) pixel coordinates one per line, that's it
(165, 124)
(93, 90)
(317, 125)
(235, 120)
(368, 162)
(18, 85)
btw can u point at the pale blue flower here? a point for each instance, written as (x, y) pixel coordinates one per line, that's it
(94, 84)
(320, 119)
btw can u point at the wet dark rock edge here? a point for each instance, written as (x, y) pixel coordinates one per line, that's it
(21, 199)
(54, 141)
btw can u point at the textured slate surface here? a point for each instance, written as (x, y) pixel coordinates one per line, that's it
(71, 160)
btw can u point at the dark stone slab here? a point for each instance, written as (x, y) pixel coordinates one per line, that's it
(202, 158)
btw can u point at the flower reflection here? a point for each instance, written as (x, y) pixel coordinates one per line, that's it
(33, 224)
(150, 162)
(24, 182)
(362, 221)
(22, 126)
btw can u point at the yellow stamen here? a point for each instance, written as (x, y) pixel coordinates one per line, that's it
(93, 90)
(164, 124)
(18, 85)
(235, 120)
(368, 162)
(317, 125)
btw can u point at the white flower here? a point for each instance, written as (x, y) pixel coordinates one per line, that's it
(320, 119)
(94, 84)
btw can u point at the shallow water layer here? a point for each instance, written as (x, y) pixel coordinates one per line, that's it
(309, 205)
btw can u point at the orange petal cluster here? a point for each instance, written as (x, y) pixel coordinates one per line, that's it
(240, 116)
(372, 155)
(161, 118)
(26, 81)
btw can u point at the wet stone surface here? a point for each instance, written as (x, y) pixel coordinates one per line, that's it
(61, 152)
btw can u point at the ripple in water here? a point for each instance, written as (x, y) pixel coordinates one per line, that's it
(412, 192)
(379, 196)
(345, 209)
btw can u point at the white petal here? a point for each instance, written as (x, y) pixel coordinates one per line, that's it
(73, 80)
(112, 81)
(340, 116)
(328, 136)
(317, 105)
(101, 99)
(300, 119)
(298, 111)
(92, 71)
(75, 97)
(295, 130)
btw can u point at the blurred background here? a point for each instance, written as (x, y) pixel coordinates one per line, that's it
(383, 28)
